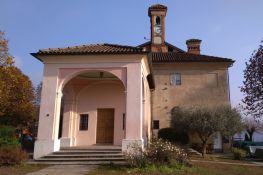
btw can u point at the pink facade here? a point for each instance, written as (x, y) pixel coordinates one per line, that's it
(124, 89)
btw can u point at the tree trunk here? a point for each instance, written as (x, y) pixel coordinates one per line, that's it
(250, 133)
(204, 148)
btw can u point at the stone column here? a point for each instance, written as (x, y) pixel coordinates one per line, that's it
(68, 123)
(47, 139)
(133, 133)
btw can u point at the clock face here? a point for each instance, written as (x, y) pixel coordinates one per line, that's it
(157, 29)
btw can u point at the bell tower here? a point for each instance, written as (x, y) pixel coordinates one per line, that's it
(157, 15)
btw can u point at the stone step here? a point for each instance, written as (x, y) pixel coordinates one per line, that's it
(79, 162)
(81, 159)
(191, 151)
(83, 155)
(95, 155)
(86, 152)
(91, 148)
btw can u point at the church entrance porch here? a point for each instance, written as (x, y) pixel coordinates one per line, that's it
(97, 104)
(93, 104)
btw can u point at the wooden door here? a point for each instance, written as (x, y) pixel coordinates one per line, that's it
(105, 126)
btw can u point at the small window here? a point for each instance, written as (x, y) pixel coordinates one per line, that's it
(156, 124)
(84, 122)
(123, 121)
(175, 79)
(158, 20)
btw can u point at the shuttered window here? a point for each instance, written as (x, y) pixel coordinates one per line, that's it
(175, 79)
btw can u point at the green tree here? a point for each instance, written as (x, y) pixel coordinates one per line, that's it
(206, 122)
(16, 91)
(253, 84)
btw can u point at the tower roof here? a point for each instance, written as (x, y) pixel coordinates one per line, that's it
(157, 7)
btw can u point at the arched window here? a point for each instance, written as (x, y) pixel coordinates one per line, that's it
(158, 20)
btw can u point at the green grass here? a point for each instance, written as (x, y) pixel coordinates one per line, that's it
(221, 158)
(196, 169)
(20, 169)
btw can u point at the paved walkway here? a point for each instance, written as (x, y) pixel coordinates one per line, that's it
(64, 170)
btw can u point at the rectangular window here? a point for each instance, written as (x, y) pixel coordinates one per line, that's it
(156, 124)
(175, 79)
(84, 122)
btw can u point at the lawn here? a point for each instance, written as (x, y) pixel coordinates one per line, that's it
(197, 169)
(20, 169)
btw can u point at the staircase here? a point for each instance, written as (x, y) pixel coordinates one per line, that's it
(94, 155)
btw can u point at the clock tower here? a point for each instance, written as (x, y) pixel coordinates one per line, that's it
(157, 15)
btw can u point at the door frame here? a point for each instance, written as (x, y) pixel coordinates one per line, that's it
(113, 122)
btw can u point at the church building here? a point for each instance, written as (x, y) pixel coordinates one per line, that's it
(109, 94)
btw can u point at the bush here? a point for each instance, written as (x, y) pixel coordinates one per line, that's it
(158, 152)
(8, 137)
(238, 154)
(7, 131)
(174, 136)
(136, 157)
(12, 156)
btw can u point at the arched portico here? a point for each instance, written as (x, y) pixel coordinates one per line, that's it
(94, 109)
(121, 94)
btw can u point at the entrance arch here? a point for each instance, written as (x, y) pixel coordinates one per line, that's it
(66, 74)
(87, 98)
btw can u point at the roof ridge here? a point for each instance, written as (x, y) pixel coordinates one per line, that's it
(181, 57)
(118, 45)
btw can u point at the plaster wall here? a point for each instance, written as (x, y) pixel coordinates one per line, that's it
(201, 84)
(146, 100)
(102, 95)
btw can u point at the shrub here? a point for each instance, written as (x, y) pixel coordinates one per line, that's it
(158, 152)
(12, 156)
(238, 154)
(7, 131)
(8, 137)
(173, 135)
(135, 156)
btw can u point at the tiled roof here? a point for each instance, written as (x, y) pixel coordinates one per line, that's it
(156, 57)
(170, 46)
(91, 49)
(158, 6)
(170, 57)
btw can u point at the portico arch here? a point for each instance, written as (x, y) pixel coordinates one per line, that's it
(86, 93)
(66, 74)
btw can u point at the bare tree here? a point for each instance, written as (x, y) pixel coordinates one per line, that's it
(253, 84)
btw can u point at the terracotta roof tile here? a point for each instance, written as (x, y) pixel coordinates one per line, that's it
(91, 49)
(170, 46)
(158, 6)
(170, 57)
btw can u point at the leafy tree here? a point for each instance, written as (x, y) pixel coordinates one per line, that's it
(16, 97)
(16, 91)
(5, 58)
(206, 122)
(253, 84)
